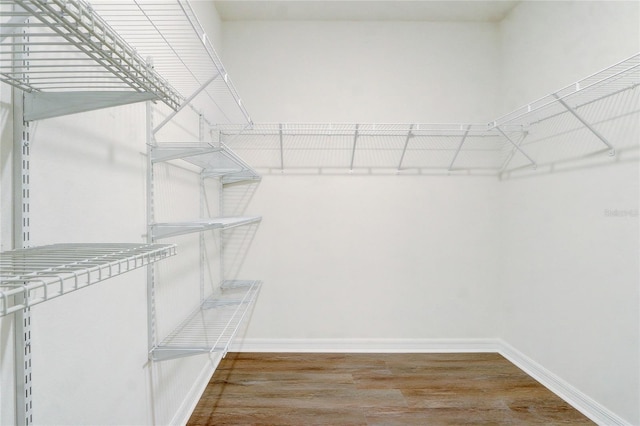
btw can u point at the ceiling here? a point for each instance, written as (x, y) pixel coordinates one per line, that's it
(364, 10)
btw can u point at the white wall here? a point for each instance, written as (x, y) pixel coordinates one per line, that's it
(570, 278)
(363, 256)
(324, 71)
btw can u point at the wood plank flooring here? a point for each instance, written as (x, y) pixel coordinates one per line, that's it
(377, 389)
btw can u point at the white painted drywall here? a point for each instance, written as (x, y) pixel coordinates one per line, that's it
(570, 285)
(325, 71)
(370, 256)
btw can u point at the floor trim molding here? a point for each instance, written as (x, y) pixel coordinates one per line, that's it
(580, 401)
(367, 345)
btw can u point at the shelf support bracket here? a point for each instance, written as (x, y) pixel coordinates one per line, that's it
(281, 149)
(353, 150)
(406, 144)
(508, 160)
(517, 147)
(586, 124)
(40, 105)
(455, 156)
(184, 104)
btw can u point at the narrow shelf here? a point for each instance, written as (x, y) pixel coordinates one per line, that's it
(172, 229)
(35, 275)
(212, 326)
(215, 161)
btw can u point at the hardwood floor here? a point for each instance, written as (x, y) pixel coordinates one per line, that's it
(377, 389)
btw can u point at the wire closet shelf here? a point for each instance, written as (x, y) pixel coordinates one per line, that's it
(154, 48)
(34, 275)
(213, 325)
(577, 121)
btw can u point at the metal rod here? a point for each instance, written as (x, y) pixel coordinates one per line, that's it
(281, 149)
(513, 151)
(406, 143)
(516, 146)
(184, 104)
(459, 148)
(353, 150)
(585, 123)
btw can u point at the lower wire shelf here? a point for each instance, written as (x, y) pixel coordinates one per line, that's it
(212, 326)
(35, 275)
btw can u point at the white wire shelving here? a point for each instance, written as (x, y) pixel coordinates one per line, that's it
(214, 161)
(34, 275)
(54, 47)
(577, 121)
(213, 325)
(73, 55)
(169, 32)
(173, 229)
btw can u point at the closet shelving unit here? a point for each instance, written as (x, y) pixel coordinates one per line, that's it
(70, 56)
(170, 33)
(522, 139)
(213, 324)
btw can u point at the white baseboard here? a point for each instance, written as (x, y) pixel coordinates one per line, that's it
(367, 345)
(581, 402)
(195, 393)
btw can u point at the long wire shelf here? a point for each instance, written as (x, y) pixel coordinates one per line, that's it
(214, 161)
(34, 275)
(63, 45)
(396, 147)
(172, 229)
(580, 120)
(212, 326)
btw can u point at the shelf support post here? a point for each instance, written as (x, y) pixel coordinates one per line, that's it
(406, 144)
(586, 124)
(22, 239)
(517, 146)
(455, 156)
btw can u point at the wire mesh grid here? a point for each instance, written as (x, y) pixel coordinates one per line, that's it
(60, 45)
(171, 229)
(389, 147)
(168, 32)
(213, 325)
(34, 275)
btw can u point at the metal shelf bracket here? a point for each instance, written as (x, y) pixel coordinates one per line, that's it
(41, 105)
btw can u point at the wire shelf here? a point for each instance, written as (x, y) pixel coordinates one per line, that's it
(212, 326)
(172, 229)
(169, 32)
(35, 275)
(63, 45)
(573, 123)
(394, 147)
(215, 161)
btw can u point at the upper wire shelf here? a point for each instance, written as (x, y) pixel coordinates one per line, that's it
(35, 275)
(62, 45)
(172, 229)
(598, 114)
(155, 47)
(168, 31)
